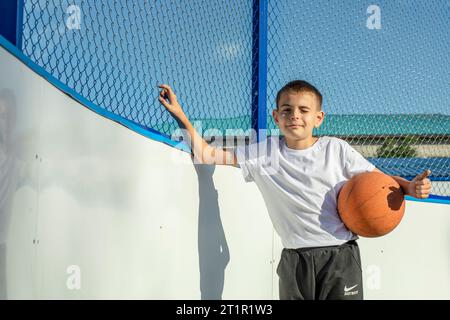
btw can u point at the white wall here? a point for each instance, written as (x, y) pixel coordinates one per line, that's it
(139, 220)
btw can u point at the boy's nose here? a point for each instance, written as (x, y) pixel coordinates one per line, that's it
(295, 114)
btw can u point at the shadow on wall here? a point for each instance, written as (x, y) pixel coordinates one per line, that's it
(212, 245)
(7, 176)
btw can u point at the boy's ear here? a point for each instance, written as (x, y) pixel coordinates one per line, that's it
(319, 118)
(275, 115)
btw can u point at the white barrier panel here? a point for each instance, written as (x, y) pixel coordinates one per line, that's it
(115, 215)
(92, 210)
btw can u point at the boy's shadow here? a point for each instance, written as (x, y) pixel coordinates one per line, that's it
(212, 245)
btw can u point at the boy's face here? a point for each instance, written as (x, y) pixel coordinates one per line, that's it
(298, 114)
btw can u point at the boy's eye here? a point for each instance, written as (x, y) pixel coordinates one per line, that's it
(289, 111)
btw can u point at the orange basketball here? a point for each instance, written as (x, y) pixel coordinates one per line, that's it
(371, 204)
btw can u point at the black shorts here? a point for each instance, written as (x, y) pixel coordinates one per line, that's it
(320, 273)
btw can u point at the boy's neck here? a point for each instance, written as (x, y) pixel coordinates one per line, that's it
(301, 144)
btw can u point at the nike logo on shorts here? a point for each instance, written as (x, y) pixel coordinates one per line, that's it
(348, 289)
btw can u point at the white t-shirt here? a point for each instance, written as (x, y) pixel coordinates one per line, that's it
(300, 187)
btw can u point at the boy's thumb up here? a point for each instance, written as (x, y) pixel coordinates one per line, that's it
(423, 175)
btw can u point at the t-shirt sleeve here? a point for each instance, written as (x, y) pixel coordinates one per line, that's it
(245, 159)
(258, 159)
(354, 162)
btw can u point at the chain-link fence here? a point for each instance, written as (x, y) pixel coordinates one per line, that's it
(382, 68)
(115, 53)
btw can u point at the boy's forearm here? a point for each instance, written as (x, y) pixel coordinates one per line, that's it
(402, 182)
(198, 145)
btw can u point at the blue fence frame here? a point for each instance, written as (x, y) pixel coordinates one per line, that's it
(259, 63)
(11, 21)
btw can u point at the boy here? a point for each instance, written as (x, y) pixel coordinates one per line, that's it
(300, 178)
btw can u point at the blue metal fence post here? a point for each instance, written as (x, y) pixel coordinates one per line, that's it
(19, 24)
(11, 18)
(259, 67)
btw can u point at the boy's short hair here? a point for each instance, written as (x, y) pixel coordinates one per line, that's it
(300, 86)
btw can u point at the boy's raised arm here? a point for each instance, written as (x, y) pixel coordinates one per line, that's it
(202, 151)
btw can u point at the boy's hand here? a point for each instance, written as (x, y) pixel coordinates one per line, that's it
(172, 106)
(420, 186)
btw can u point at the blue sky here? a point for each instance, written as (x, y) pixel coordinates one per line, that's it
(404, 67)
